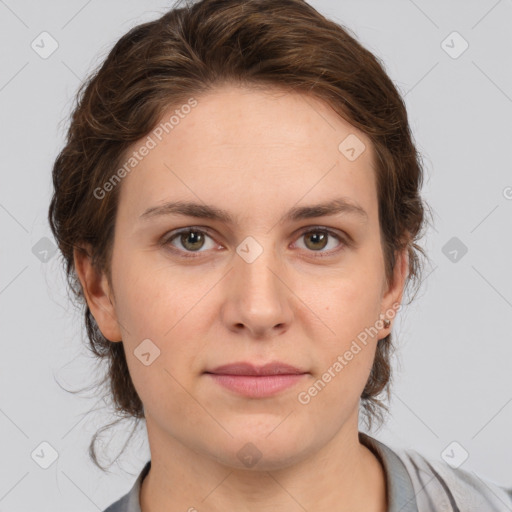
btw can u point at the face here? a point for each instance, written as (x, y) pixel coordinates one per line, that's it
(267, 279)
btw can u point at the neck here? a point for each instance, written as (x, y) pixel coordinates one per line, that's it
(344, 475)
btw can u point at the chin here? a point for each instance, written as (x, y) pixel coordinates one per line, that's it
(261, 452)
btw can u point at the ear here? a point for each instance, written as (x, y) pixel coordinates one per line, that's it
(392, 297)
(97, 294)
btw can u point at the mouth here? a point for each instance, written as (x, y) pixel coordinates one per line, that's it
(257, 381)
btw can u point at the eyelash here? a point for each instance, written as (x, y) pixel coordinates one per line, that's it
(169, 237)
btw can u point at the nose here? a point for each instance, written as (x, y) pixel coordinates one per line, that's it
(257, 297)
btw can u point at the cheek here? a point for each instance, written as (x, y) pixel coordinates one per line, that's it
(153, 298)
(166, 306)
(349, 306)
(349, 303)
(344, 357)
(157, 304)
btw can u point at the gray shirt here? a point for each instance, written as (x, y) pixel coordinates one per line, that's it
(414, 484)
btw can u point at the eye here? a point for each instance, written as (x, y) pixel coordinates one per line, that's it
(191, 240)
(318, 238)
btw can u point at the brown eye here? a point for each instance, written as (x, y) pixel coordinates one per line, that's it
(192, 240)
(316, 240)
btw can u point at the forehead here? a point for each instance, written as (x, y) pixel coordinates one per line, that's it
(254, 118)
(251, 147)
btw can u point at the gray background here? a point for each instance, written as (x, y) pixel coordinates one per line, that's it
(452, 379)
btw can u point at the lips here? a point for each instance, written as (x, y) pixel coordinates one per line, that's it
(243, 368)
(253, 381)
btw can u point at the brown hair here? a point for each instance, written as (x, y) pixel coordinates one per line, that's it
(187, 52)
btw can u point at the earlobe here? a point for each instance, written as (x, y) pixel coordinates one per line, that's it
(97, 294)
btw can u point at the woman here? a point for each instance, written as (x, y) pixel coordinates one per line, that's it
(238, 208)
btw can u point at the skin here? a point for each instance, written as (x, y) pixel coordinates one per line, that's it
(255, 154)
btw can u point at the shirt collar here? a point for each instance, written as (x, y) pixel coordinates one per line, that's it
(400, 491)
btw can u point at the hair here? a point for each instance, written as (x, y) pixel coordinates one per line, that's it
(190, 51)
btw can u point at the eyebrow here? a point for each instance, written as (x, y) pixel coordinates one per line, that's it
(203, 211)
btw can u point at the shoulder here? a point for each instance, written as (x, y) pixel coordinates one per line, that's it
(438, 486)
(130, 501)
(121, 505)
